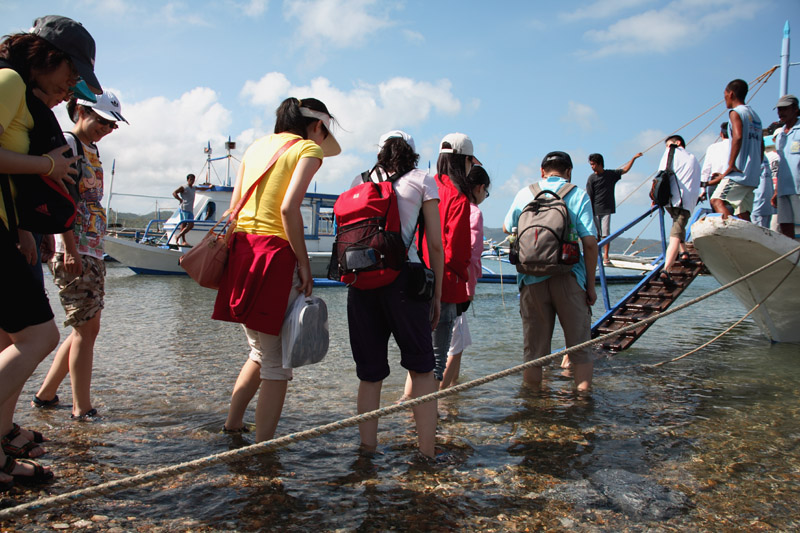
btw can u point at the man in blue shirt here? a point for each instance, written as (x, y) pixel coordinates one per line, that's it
(569, 296)
(787, 143)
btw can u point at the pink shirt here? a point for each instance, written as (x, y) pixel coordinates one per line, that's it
(475, 268)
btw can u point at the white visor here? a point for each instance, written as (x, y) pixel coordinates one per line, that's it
(330, 146)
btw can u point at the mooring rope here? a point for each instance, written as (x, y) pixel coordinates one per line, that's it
(111, 487)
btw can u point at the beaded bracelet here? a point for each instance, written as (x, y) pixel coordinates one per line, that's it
(52, 164)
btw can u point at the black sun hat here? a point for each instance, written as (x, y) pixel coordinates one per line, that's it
(70, 37)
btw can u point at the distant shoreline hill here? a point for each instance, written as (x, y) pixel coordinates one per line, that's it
(133, 221)
(646, 247)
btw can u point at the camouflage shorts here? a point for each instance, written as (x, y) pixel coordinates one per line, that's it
(81, 296)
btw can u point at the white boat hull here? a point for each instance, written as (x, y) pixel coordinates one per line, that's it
(732, 248)
(155, 260)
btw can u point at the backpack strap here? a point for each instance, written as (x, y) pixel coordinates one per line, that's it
(74, 190)
(670, 157)
(535, 189)
(565, 189)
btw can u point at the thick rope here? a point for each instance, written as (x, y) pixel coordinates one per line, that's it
(729, 329)
(111, 487)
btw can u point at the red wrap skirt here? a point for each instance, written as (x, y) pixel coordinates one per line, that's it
(255, 286)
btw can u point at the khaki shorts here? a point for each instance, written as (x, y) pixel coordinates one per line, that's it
(81, 296)
(267, 350)
(739, 197)
(680, 218)
(540, 303)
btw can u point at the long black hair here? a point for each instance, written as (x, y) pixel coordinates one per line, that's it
(289, 118)
(453, 166)
(477, 176)
(397, 157)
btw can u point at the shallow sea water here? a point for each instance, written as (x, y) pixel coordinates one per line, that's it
(721, 428)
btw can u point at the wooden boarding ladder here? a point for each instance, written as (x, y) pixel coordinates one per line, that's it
(650, 296)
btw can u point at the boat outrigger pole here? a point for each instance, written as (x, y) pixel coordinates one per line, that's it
(784, 88)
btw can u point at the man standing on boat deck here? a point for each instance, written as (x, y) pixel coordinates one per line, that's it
(715, 162)
(787, 143)
(600, 188)
(570, 295)
(185, 195)
(734, 195)
(684, 191)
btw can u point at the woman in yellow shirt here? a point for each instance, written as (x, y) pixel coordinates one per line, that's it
(268, 265)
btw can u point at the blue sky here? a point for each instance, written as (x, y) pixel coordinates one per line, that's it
(521, 78)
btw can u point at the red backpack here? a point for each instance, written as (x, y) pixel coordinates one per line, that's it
(369, 251)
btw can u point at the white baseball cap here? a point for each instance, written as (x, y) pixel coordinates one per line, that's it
(107, 106)
(459, 144)
(399, 135)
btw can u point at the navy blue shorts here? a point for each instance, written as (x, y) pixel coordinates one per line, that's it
(374, 314)
(24, 300)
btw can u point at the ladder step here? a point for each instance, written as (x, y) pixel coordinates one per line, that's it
(624, 318)
(656, 295)
(606, 331)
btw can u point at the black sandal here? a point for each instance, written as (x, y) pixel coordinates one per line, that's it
(667, 280)
(39, 474)
(24, 451)
(39, 403)
(685, 258)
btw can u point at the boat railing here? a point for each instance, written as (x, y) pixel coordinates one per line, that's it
(607, 241)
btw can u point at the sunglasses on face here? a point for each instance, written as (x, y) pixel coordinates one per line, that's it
(104, 122)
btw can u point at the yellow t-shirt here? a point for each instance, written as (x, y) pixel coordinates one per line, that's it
(15, 119)
(261, 215)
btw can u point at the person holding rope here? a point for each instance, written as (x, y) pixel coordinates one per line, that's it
(600, 188)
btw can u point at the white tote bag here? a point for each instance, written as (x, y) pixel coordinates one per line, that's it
(304, 334)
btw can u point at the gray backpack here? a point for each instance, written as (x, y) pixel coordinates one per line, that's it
(546, 242)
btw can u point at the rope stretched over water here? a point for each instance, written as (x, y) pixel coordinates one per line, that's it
(729, 329)
(111, 487)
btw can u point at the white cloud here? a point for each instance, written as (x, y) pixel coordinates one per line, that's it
(163, 143)
(340, 23)
(179, 13)
(269, 91)
(166, 137)
(523, 175)
(677, 25)
(581, 116)
(254, 8)
(365, 111)
(601, 9)
(414, 37)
